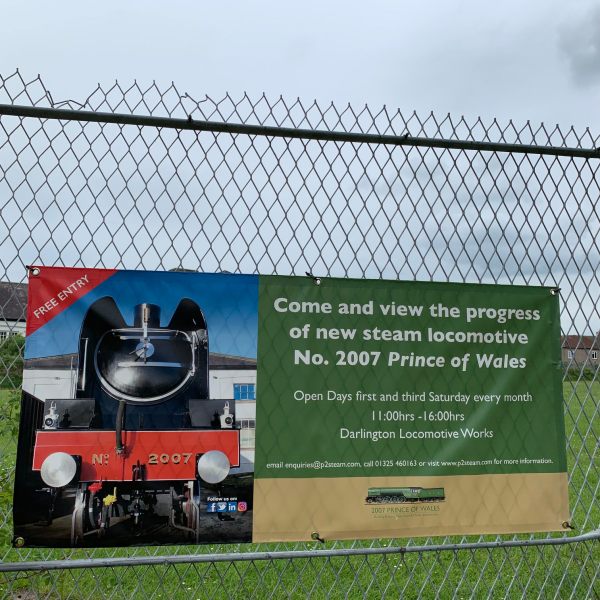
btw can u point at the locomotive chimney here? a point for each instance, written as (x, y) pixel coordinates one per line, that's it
(146, 314)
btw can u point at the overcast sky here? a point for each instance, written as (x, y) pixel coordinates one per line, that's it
(537, 60)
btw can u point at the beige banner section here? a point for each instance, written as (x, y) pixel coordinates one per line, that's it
(337, 508)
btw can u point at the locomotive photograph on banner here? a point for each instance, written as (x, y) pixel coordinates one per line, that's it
(137, 415)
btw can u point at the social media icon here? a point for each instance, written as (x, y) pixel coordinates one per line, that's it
(232, 507)
(221, 506)
(212, 507)
(242, 506)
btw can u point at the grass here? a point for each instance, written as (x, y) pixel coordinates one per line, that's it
(560, 571)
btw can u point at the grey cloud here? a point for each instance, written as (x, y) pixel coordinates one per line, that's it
(579, 43)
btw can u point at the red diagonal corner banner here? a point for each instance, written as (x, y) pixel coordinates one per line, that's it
(52, 289)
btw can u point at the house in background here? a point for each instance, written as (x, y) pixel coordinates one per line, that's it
(13, 306)
(581, 350)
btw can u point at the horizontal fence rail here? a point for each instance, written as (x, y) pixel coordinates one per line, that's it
(282, 555)
(190, 124)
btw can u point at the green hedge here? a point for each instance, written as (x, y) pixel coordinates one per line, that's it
(583, 374)
(11, 362)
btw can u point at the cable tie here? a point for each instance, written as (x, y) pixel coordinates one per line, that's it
(316, 280)
(316, 537)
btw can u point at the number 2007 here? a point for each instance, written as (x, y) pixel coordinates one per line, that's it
(155, 459)
(353, 358)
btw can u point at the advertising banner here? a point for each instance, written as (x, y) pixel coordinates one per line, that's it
(407, 409)
(178, 407)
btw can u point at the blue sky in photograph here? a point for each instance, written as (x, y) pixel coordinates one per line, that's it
(229, 303)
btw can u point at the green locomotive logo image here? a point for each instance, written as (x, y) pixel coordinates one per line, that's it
(404, 494)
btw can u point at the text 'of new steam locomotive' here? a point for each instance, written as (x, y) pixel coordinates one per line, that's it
(140, 425)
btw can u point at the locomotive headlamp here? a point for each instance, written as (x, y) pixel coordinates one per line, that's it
(51, 417)
(213, 466)
(58, 469)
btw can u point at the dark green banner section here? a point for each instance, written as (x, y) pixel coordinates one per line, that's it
(380, 378)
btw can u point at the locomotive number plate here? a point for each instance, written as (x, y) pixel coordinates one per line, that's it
(165, 459)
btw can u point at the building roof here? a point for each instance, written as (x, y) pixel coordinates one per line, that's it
(59, 362)
(581, 342)
(13, 301)
(226, 361)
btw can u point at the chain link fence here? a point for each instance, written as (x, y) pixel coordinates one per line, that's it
(392, 196)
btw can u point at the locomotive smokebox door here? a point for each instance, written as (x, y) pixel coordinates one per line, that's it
(144, 364)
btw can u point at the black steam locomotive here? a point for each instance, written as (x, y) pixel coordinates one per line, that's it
(140, 433)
